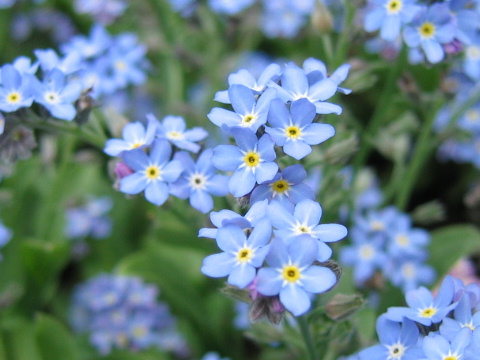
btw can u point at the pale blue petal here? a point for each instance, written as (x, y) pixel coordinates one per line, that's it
(390, 28)
(227, 157)
(218, 265)
(217, 185)
(266, 172)
(260, 235)
(133, 184)
(433, 51)
(171, 172)
(295, 299)
(294, 174)
(161, 151)
(241, 182)
(278, 115)
(295, 81)
(318, 279)
(303, 251)
(308, 212)
(220, 117)
(374, 19)
(322, 90)
(230, 238)
(157, 192)
(327, 108)
(242, 275)
(201, 201)
(330, 232)
(296, 149)
(136, 159)
(303, 112)
(245, 138)
(269, 282)
(242, 99)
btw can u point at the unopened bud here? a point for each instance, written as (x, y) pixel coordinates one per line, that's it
(84, 106)
(121, 170)
(342, 306)
(258, 309)
(332, 265)
(322, 18)
(429, 213)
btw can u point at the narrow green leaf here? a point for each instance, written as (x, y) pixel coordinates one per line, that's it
(54, 341)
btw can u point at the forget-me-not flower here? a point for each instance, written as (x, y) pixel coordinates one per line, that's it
(135, 135)
(431, 27)
(173, 129)
(436, 347)
(15, 90)
(241, 255)
(199, 181)
(294, 130)
(252, 161)
(247, 111)
(57, 95)
(152, 172)
(292, 275)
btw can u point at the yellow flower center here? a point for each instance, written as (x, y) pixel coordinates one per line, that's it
(472, 115)
(14, 97)
(303, 229)
(428, 312)
(139, 331)
(280, 186)
(244, 255)
(291, 273)
(377, 225)
(427, 30)
(469, 325)
(402, 240)
(136, 145)
(451, 357)
(408, 271)
(252, 159)
(175, 135)
(153, 172)
(120, 65)
(248, 120)
(394, 6)
(367, 252)
(293, 132)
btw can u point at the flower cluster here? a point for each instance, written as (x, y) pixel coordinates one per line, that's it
(103, 11)
(449, 322)
(122, 312)
(280, 18)
(428, 31)
(161, 173)
(274, 114)
(90, 219)
(385, 240)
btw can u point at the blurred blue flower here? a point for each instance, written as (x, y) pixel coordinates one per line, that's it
(431, 27)
(49, 60)
(292, 275)
(90, 46)
(199, 180)
(15, 90)
(57, 94)
(152, 172)
(389, 16)
(90, 219)
(316, 70)
(241, 255)
(471, 62)
(104, 11)
(5, 236)
(229, 7)
(466, 18)
(122, 312)
(172, 128)
(294, 130)
(252, 161)
(409, 273)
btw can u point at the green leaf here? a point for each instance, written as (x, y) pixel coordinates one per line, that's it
(54, 341)
(450, 244)
(18, 340)
(43, 260)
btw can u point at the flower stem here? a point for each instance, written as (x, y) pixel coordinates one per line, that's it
(422, 152)
(307, 337)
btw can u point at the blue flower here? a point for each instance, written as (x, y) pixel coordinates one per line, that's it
(15, 90)
(229, 7)
(423, 307)
(409, 273)
(244, 77)
(152, 173)
(295, 86)
(436, 347)
(57, 95)
(431, 28)
(292, 276)
(172, 128)
(104, 11)
(316, 71)
(389, 15)
(365, 255)
(252, 161)
(463, 318)
(89, 47)
(282, 18)
(248, 112)
(89, 219)
(305, 222)
(121, 312)
(406, 241)
(254, 215)
(397, 341)
(134, 136)
(286, 187)
(241, 255)
(199, 180)
(50, 60)
(295, 130)
(471, 63)
(466, 18)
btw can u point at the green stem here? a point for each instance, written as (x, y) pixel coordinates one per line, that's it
(423, 150)
(307, 337)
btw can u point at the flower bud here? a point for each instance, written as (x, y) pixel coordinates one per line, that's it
(342, 306)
